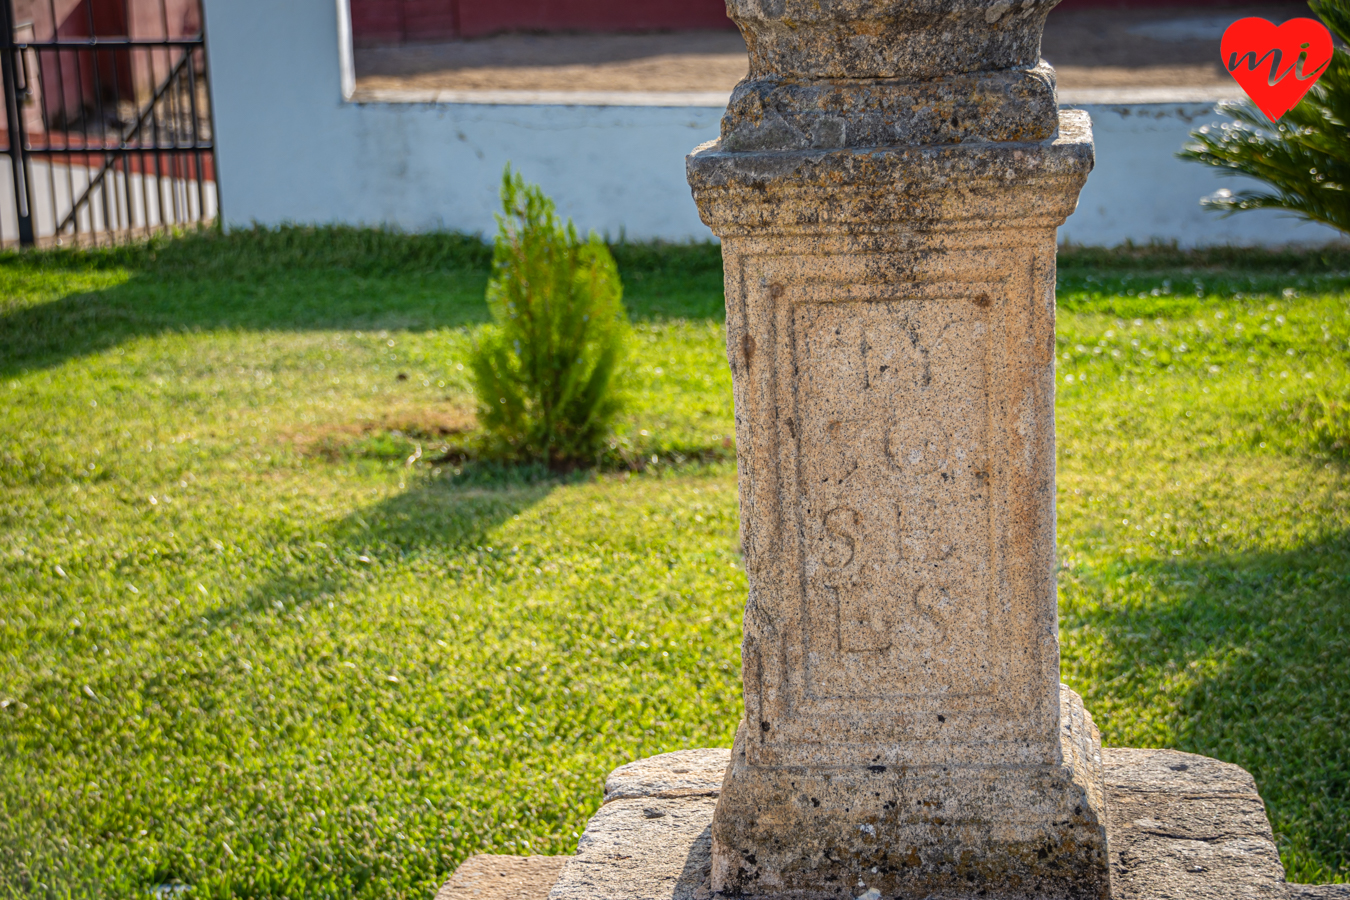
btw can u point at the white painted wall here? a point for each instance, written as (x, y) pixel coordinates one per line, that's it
(1139, 190)
(293, 148)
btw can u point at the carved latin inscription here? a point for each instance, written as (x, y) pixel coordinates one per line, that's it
(893, 416)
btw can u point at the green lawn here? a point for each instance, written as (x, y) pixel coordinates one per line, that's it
(261, 634)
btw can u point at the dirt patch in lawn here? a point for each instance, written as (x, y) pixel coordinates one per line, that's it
(411, 435)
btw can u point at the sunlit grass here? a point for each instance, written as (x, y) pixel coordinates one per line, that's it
(262, 636)
(1203, 510)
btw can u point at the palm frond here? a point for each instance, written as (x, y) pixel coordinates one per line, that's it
(1304, 157)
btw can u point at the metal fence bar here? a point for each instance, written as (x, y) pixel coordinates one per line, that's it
(145, 174)
(98, 149)
(196, 137)
(149, 114)
(125, 112)
(105, 43)
(48, 118)
(18, 163)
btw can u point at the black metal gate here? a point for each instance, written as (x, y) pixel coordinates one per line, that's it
(108, 132)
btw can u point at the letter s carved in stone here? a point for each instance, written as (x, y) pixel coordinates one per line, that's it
(843, 531)
(930, 604)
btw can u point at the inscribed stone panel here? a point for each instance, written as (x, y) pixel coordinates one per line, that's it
(893, 408)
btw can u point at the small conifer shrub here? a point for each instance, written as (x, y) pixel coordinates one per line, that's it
(543, 372)
(1304, 156)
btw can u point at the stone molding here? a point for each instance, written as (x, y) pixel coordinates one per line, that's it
(1016, 105)
(985, 186)
(888, 38)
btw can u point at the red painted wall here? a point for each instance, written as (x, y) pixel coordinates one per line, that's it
(393, 21)
(1163, 4)
(381, 21)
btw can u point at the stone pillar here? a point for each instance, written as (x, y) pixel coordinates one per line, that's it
(887, 188)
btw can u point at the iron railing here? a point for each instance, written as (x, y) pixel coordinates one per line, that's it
(108, 127)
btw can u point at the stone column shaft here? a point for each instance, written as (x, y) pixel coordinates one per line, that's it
(889, 246)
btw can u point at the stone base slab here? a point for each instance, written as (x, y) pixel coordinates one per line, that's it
(1187, 827)
(1180, 827)
(1004, 832)
(487, 876)
(1319, 891)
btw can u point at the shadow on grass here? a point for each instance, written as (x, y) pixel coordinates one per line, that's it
(1254, 650)
(336, 277)
(216, 717)
(436, 517)
(298, 279)
(288, 280)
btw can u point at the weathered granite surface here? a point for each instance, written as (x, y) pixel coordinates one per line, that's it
(1186, 827)
(890, 328)
(684, 773)
(1319, 891)
(889, 38)
(1181, 827)
(783, 114)
(887, 187)
(486, 876)
(655, 848)
(926, 830)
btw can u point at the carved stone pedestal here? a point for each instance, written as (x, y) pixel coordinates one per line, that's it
(890, 328)
(933, 830)
(1181, 827)
(887, 189)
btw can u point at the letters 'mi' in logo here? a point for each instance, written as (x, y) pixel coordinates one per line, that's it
(1249, 43)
